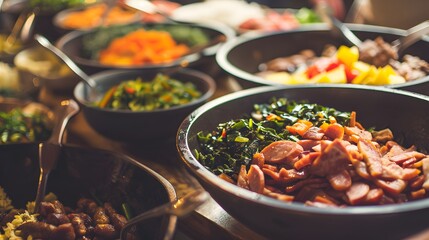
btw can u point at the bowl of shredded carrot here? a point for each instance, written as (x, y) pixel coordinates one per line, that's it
(149, 47)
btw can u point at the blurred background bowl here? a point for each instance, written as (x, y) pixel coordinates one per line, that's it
(45, 12)
(38, 67)
(24, 121)
(242, 57)
(83, 47)
(88, 17)
(77, 175)
(376, 106)
(129, 126)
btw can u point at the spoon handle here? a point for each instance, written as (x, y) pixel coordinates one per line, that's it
(50, 150)
(327, 16)
(48, 45)
(413, 35)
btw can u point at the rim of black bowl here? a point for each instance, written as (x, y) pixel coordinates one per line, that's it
(203, 77)
(187, 156)
(224, 50)
(188, 59)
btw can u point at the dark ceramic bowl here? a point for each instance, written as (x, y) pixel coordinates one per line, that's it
(376, 106)
(43, 24)
(78, 174)
(241, 57)
(38, 67)
(125, 125)
(72, 45)
(27, 106)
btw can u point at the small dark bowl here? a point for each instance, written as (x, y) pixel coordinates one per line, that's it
(27, 106)
(375, 106)
(78, 174)
(59, 79)
(125, 125)
(241, 58)
(71, 44)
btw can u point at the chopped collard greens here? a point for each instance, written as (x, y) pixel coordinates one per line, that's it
(19, 127)
(234, 143)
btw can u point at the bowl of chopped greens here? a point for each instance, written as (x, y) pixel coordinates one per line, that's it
(326, 161)
(135, 106)
(24, 121)
(82, 201)
(149, 47)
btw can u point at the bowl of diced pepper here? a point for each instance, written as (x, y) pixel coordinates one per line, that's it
(314, 55)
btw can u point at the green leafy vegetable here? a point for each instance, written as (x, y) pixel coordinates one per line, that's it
(17, 127)
(162, 92)
(234, 143)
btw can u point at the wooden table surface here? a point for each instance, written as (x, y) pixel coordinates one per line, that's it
(209, 221)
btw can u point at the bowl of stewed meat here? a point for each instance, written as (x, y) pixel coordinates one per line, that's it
(315, 54)
(81, 201)
(305, 161)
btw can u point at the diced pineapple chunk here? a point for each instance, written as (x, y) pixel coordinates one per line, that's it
(280, 77)
(337, 75)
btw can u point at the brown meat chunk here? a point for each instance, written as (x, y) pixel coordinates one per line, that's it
(117, 219)
(357, 192)
(371, 157)
(340, 181)
(242, 180)
(256, 179)
(284, 151)
(105, 231)
(377, 52)
(57, 219)
(334, 159)
(78, 224)
(100, 216)
(64, 232)
(87, 205)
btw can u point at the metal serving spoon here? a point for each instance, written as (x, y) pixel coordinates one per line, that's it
(94, 93)
(179, 208)
(413, 34)
(50, 150)
(147, 7)
(22, 30)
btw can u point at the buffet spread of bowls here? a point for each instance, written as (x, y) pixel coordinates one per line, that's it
(323, 140)
(281, 168)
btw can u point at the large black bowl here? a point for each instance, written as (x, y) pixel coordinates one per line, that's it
(405, 113)
(241, 57)
(82, 172)
(71, 44)
(131, 126)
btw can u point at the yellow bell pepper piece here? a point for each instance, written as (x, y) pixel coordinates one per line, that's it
(382, 77)
(348, 55)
